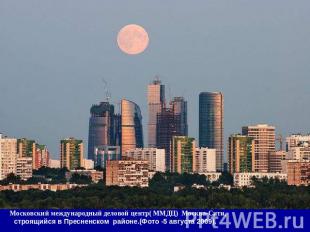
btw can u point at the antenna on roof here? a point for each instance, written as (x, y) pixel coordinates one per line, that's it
(106, 90)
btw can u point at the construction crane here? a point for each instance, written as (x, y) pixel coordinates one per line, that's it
(106, 90)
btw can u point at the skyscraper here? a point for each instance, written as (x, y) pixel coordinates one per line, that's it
(156, 101)
(71, 153)
(211, 114)
(264, 145)
(183, 150)
(132, 132)
(179, 106)
(241, 153)
(168, 125)
(103, 127)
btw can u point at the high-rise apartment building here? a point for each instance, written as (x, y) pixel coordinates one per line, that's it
(156, 101)
(24, 167)
(296, 140)
(179, 107)
(41, 157)
(205, 160)
(183, 150)
(241, 151)
(264, 144)
(71, 153)
(155, 157)
(104, 127)
(298, 172)
(275, 161)
(211, 128)
(8, 156)
(132, 131)
(127, 173)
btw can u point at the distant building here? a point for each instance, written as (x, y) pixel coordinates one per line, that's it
(26, 148)
(104, 127)
(275, 161)
(212, 176)
(41, 157)
(154, 156)
(54, 163)
(241, 153)
(88, 164)
(179, 107)
(132, 131)
(300, 152)
(42, 187)
(24, 167)
(156, 101)
(298, 172)
(211, 126)
(8, 155)
(71, 153)
(296, 140)
(127, 173)
(183, 150)
(264, 136)
(105, 153)
(245, 178)
(205, 160)
(96, 176)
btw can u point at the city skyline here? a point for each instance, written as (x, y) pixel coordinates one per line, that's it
(257, 59)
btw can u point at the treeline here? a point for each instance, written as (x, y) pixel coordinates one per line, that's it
(160, 194)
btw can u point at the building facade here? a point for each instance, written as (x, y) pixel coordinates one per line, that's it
(264, 136)
(241, 150)
(211, 126)
(298, 172)
(183, 150)
(71, 153)
(41, 157)
(205, 160)
(8, 156)
(245, 178)
(104, 128)
(155, 157)
(296, 140)
(24, 167)
(179, 107)
(105, 153)
(156, 101)
(132, 131)
(275, 161)
(127, 173)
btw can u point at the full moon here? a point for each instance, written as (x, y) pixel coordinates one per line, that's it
(132, 39)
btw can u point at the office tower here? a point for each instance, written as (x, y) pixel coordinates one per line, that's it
(179, 107)
(168, 125)
(127, 173)
(275, 161)
(264, 144)
(298, 172)
(205, 160)
(8, 155)
(156, 101)
(71, 153)
(41, 157)
(296, 140)
(24, 167)
(132, 132)
(103, 127)
(105, 153)
(183, 149)
(241, 151)
(155, 157)
(211, 124)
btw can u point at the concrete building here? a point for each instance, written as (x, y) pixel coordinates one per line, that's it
(8, 155)
(54, 163)
(205, 160)
(295, 140)
(211, 124)
(183, 150)
(275, 161)
(41, 157)
(95, 175)
(87, 164)
(154, 156)
(155, 101)
(42, 187)
(245, 178)
(127, 173)
(71, 153)
(264, 136)
(300, 152)
(132, 131)
(298, 172)
(24, 167)
(105, 153)
(241, 150)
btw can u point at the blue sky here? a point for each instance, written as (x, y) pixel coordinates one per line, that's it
(54, 53)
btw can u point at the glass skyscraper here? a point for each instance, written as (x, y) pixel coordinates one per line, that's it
(131, 122)
(179, 106)
(156, 101)
(103, 127)
(211, 124)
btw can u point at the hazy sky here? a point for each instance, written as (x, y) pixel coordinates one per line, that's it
(54, 53)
